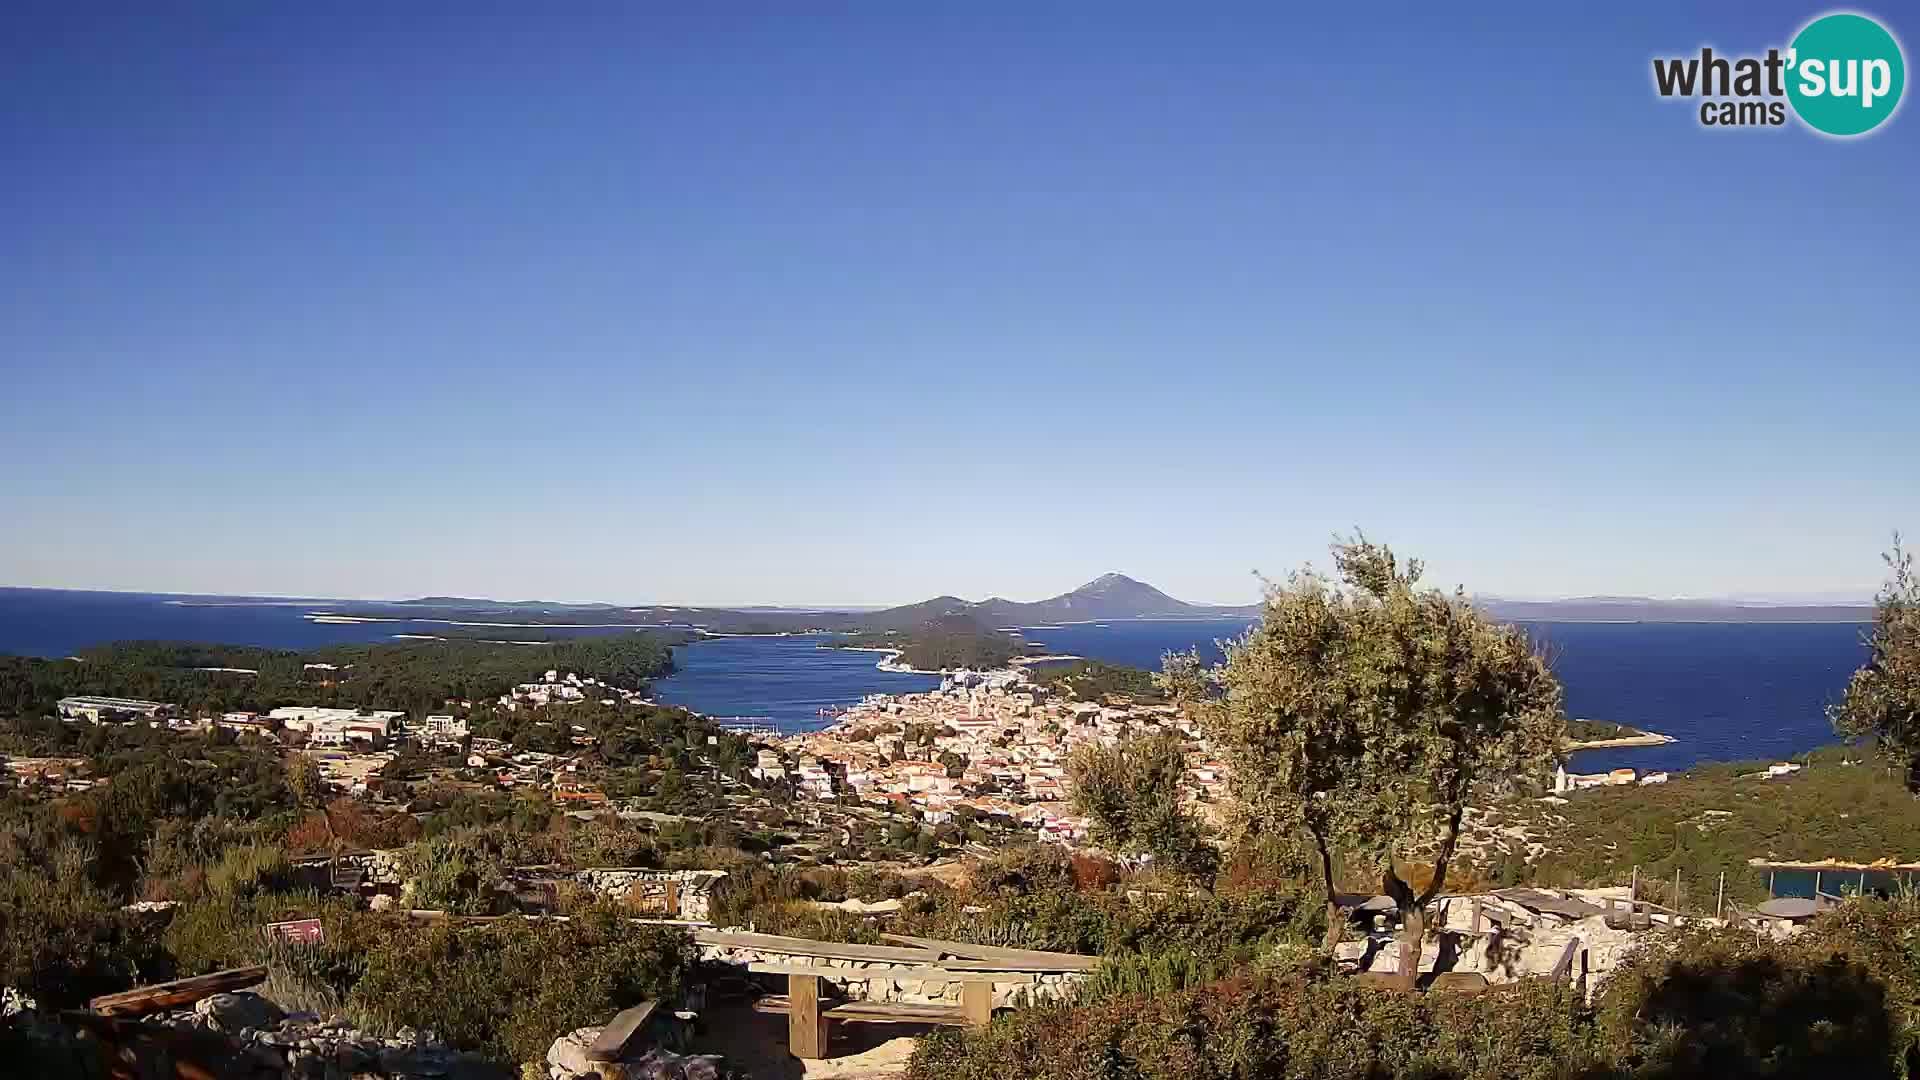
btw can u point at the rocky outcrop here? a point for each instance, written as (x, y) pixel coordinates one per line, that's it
(244, 1036)
(567, 1060)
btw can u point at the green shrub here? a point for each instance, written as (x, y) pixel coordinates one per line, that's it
(224, 931)
(1839, 1000)
(1149, 976)
(1284, 1029)
(1727, 1003)
(459, 872)
(249, 869)
(63, 939)
(508, 988)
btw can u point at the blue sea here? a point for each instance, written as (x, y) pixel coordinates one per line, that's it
(1725, 691)
(780, 682)
(60, 622)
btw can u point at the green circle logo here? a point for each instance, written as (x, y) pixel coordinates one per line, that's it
(1845, 74)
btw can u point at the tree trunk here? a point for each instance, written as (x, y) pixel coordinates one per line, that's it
(1336, 919)
(1413, 923)
(1413, 907)
(1413, 942)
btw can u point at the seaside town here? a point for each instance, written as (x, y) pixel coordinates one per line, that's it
(986, 742)
(352, 745)
(989, 744)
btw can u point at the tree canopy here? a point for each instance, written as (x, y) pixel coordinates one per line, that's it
(1883, 697)
(1130, 795)
(1365, 710)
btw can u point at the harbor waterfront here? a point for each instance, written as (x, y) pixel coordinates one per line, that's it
(1721, 692)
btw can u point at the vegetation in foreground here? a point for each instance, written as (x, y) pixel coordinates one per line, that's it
(1837, 1001)
(1207, 964)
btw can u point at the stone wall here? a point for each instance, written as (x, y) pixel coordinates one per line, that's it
(868, 980)
(244, 1036)
(680, 894)
(1520, 945)
(383, 871)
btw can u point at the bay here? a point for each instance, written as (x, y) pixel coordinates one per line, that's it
(1725, 691)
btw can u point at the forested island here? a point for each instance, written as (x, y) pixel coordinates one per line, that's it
(1094, 680)
(947, 643)
(1599, 734)
(415, 676)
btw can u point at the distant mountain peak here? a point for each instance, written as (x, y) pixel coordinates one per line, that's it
(1109, 596)
(1119, 587)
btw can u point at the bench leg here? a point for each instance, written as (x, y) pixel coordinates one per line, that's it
(806, 1028)
(976, 1000)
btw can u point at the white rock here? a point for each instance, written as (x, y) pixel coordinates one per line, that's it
(567, 1057)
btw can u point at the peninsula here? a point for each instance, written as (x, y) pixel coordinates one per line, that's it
(1600, 735)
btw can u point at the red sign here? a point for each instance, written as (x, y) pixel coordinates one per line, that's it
(305, 931)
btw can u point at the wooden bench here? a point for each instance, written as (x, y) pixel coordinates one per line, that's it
(808, 1014)
(873, 1012)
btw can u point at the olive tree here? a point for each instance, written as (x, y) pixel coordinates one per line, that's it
(1883, 697)
(1130, 794)
(1365, 711)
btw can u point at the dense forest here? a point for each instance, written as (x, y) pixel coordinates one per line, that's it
(415, 676)
(1092, 680)
(942, 644)
(1596, 730)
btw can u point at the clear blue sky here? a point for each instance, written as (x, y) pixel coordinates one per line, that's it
(761, 308)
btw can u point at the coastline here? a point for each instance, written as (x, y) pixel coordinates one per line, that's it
(890, 662)
(1645, 738)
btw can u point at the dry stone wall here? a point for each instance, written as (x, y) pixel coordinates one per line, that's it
(868, 980)
(683, 894)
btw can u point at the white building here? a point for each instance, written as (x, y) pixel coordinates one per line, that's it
(338, 727)
(443, 729)
(102, 709)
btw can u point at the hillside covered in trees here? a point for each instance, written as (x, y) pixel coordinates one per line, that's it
(414, 676)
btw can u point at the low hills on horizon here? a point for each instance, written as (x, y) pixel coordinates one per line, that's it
(1111, 596)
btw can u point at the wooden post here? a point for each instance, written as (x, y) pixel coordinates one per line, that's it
(976, 1000)
(618, 1038)
(806, 1028)
(172, 995)
(1720, 901)
(1633, 890)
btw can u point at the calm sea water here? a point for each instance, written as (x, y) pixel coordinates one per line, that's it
(1725, 691)
(53, 622)
(783, 682)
